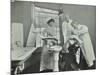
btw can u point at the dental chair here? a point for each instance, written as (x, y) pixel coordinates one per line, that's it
(71, 57)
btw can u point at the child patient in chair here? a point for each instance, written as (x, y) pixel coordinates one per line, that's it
(71, 56)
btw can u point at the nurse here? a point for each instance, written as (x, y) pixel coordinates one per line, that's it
(49, 59)
(65, 26)
(66, 29)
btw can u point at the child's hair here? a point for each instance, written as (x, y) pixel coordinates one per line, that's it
(75, 40)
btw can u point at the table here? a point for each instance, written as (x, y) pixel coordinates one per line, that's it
(19, 56)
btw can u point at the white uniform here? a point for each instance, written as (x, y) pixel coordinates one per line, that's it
(66, 30)
(47, 59)
(87, 47)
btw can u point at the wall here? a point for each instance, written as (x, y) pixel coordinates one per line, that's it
(21, 13)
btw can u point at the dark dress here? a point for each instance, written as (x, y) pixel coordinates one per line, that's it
(68, 60)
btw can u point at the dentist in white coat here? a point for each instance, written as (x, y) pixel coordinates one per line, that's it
(82, 32)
